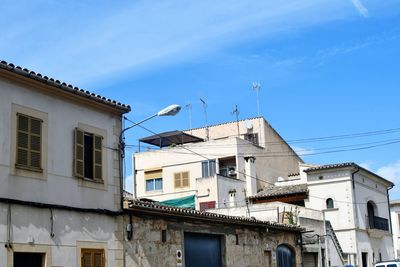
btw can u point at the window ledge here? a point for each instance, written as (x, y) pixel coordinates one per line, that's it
(98, 181)
(332, 209)
(153, 192)
(25, 168)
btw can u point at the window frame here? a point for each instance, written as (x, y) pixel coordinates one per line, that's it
(208, 167)
(79, 145)
(181, 180)
(154, 186)
(92, 252)
(28, 149)
(330, 203)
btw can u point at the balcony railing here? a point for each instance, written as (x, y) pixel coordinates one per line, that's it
(379, 223)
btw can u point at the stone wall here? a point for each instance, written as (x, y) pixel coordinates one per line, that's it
(146, 247)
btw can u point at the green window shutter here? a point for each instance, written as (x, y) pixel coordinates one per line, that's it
(29, 142)
(78, 153)
(97, 155)
(35, 142)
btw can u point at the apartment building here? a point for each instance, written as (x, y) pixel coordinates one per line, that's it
(214, 166)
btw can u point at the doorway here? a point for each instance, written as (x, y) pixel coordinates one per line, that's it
(28, 259)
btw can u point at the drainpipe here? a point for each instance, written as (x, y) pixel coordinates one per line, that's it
(390, 216)
(356, 210)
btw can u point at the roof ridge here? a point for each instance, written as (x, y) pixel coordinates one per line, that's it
(62, 85)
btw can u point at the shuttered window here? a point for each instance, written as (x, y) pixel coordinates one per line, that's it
(29, 143)
(92, 258)
(88, 156)
(181, 179)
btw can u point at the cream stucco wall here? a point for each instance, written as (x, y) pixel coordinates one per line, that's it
(395, 216)
(62, 117)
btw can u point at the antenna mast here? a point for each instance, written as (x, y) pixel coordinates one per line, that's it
(236, 112)
(188, 106)
(205, 115)
(257, 87)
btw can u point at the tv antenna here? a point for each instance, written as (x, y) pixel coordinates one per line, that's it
(205, 115)
(188, 106)
(236, 112)
(257, 87)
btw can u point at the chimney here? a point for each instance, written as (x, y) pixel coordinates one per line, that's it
(250, 170)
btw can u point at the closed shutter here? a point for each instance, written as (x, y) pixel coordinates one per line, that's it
(185, 179)
(29, 142)
(177, 178)
(310, 259)
(153, 174)
(98, 157)
(92, 258)
(78, 153)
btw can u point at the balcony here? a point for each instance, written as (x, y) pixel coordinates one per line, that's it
(379, 223)
(378, 227)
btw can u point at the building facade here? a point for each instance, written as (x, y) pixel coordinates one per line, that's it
(395, 217)
(216, 166)
(170, 236)
(59, 173)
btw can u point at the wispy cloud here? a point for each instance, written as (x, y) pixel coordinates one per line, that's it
(392, 172)
(147, 35)
(360, 8)
(301, 151)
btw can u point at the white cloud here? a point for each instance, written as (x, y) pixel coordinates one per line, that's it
(392, 172)
(360, 8)
(148, 35)
(301, 151)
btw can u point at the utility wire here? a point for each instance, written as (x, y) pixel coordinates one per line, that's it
(262, 180)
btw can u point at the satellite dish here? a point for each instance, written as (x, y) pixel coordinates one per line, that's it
(249, 125)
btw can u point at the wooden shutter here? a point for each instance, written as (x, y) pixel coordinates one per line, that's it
(78, 153)
(177, 178)
(185, 179)
(35, 143)
(92, 258)
(97, 155)
(29, 142)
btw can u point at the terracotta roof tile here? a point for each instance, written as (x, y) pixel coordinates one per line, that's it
(285, 190)
(63, 86)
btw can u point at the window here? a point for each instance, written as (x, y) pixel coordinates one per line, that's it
(208, 168)
(29, 143)
(181, 179)
(92, 258)
(329, 203)
(207, 205)
(88, 155)
(251, 137)
(153, 180)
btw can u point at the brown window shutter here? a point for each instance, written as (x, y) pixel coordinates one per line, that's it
(185, 179)
(78, 153)
(29, 143)
(98, 140)
(177, 178)
(35, 142)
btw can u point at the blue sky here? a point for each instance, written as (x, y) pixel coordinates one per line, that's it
(325, 67)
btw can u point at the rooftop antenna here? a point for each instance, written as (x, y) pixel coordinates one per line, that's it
(188, 106)
(236, 112)
(205, 115)
(257, 87)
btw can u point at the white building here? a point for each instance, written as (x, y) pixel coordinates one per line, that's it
(354, 200)
(216, 166)
(59, 173)
(395, 217)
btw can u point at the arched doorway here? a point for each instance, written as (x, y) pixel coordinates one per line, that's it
(285, 256)
(371, 214)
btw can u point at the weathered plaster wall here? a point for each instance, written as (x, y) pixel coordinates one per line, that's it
(147, 249)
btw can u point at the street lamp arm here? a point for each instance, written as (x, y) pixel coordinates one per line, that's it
(133, 125)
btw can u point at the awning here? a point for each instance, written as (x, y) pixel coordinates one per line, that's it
(183, 202)
(170, 138)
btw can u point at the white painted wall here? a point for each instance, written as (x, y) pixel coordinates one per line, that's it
(63, 117)
(395, 213)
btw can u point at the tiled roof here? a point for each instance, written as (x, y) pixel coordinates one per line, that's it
(285, 190)
(143, 206)
(63, 86)
(344, 165)
(331, 166)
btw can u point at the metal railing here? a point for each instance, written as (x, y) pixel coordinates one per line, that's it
(379, 223)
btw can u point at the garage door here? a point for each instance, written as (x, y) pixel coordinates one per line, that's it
(310, 259)
(202, 250)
